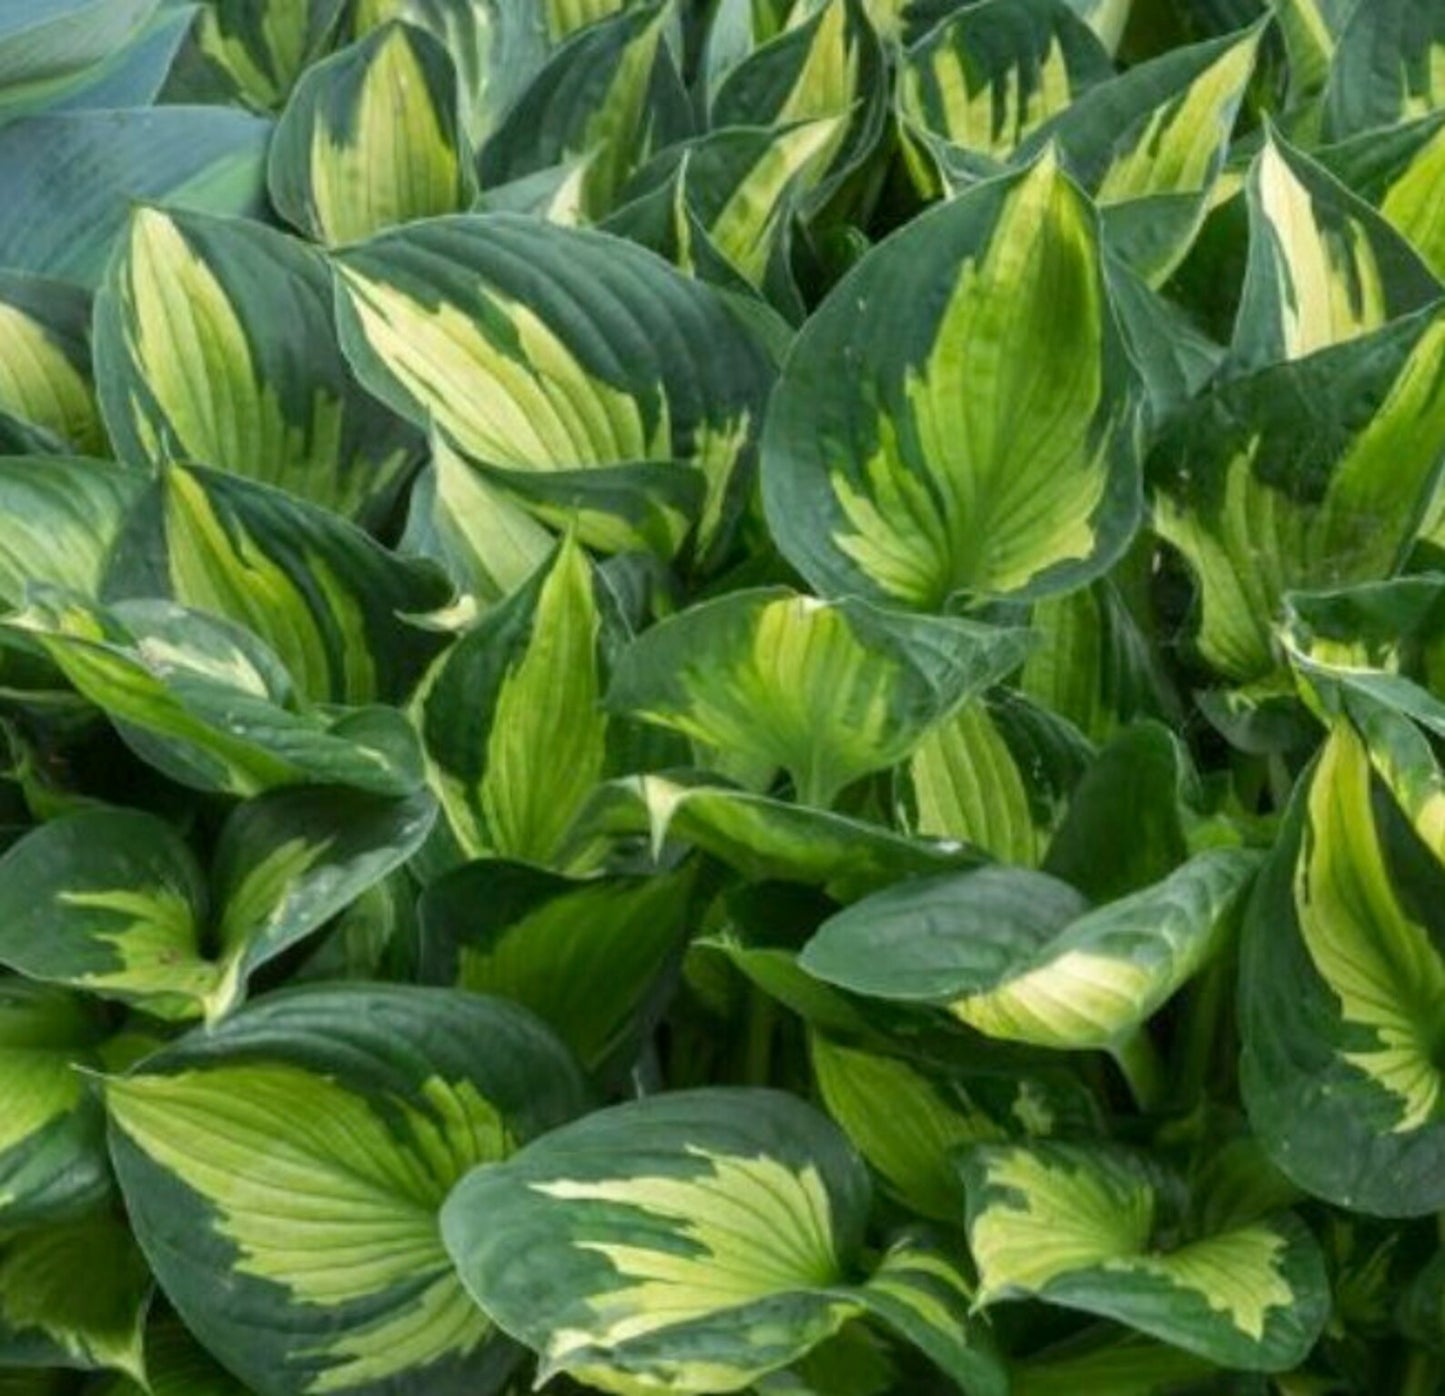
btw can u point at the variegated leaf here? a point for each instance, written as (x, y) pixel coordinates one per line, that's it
(1323, 269)
(584, 955)
(1306, 474)
(739, 187)
(371, 139)
(114, 902)
(982, 81)
(1343, 989)
(1400, 172)
(609, 99)
(47, 41)
(1092, 664)
(83, 172)
(997, 775)
(1389, 66)
(958, 417)
(208, 704)
(52, 1136)
(260, 47)
(1019, 956)
(45, 360)
(215, 344)
(74, 1294)
(928, 1116)
(63, 516)
(487, 543)
(767, 839)
(331, 603)
(611, 393)
(284, 1173)
(175, 1365)
(691, 1242)
(130, 74)
(827, 64)
(1150, 144)
(496, 47)
(828, 691)
(1091, 1229)
(511, 717)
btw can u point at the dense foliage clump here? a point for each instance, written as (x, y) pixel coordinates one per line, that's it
(722, 695)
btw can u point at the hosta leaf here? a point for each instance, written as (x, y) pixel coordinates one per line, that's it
(910, 457)
(215, 344)
(496, 48)
(908, 1143)
(511, 720)
(1141, 781)
(1323, 267)
(910, 1123)
(208, 704)
(1389, 66)
(131, 75)
(737, 187)
(49, 38)
(110, 901)
(1380, 643)
(611, 98)
(1311, 32)
(45, 359)
(176, 1365)
(63, 516)
(262, 48)
(1343, 992)
(81, 173)
(284, 1172)
(21, 438)
(1307, 474)
(997, 775)
(690, 1242)
(827, 691)
(331, 603)
(52, 1151)
(1149, 145)
(828, 64)
(1081, 1227)
(983, 80)
(370, 139)
(74, 1294)
(549, 354)
(767, 839)
(582, 955)
(1400, 172)
(1092, 663)
(286, 863)
(1019, 956)
(113, 901)
(488, 544)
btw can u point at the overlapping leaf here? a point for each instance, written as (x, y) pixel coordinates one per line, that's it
(609, 390)
(215, 344)
(693, 1242)
(113, 901)
(984, 448)
(284, 1174)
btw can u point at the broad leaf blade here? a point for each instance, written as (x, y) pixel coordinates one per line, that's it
(284, 1172)
(984, 449)
(215, 344)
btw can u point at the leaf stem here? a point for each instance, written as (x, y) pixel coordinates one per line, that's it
(1141, 1066)
(762, 1021)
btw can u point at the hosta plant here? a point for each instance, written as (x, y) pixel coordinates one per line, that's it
(709, 696)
